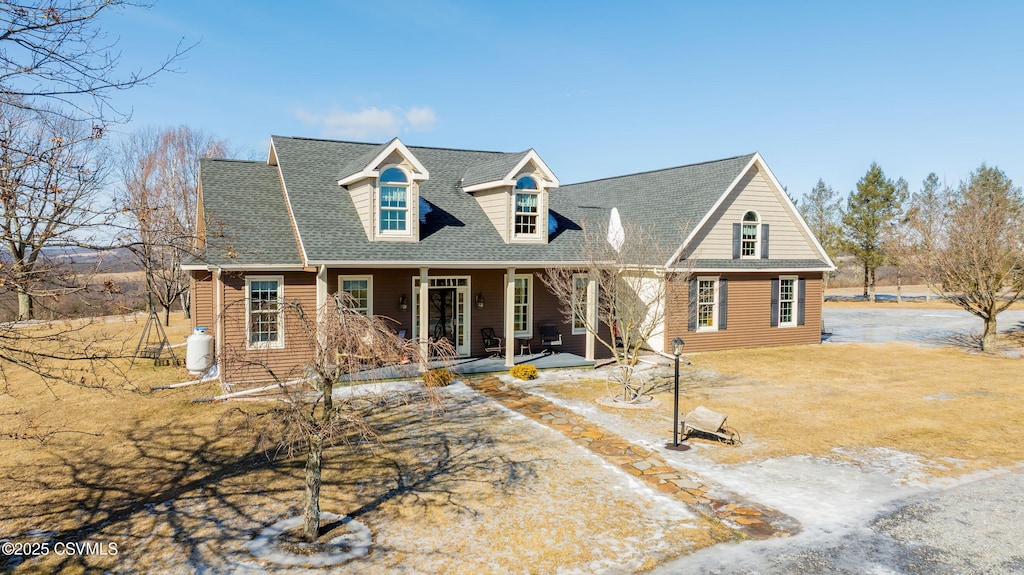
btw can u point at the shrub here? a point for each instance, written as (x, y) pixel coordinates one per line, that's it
(524, 371)
(439, 377)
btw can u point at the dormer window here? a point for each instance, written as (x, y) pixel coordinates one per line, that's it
(750, 238)
(393, 200)
(527, 206)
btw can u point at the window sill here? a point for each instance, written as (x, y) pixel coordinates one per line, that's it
(264, 345)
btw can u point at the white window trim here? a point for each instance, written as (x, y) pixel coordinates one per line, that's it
(757, 236)
(714, 304)
(540, 214)
(796, 297)
(369, 290)
(516, 213)
(528, 333)
(586, 281)
(279, 342)
(409, 200)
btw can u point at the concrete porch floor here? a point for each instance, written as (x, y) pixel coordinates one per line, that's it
(555, 360)
(479, 365)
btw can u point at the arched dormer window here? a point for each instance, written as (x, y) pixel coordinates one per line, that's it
(393, 202)
(527, 206)
(750, 235)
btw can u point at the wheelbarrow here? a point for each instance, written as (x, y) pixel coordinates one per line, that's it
(703, 421)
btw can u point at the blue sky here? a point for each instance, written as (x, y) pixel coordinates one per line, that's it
(821, 89)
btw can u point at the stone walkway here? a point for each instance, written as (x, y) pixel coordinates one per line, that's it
(751, 519)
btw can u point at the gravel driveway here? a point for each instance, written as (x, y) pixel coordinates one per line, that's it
(973, 529)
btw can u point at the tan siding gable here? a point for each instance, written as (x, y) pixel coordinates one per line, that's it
(362, 198)
(787, 239)
(495, 203)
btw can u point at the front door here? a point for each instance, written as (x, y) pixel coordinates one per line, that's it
(448, 314)
(441, 315)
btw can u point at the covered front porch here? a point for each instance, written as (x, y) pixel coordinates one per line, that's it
(471, 308)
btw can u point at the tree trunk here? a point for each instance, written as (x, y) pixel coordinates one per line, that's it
(24, 306)
(871, 286)
(899, 285)
(865, 282)
(167, 315)
(311, 506)
(988, 338)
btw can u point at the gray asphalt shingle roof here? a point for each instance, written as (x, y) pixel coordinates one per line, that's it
(492, 170)
(248, 198)
(246, 215)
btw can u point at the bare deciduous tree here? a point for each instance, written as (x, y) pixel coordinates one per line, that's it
(55, 54)
(160, 173)
(51, 174)
(330, 401)
(624, 261)
(972, 249)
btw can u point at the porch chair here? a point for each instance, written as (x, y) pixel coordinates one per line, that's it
(549, 335)
(492, 343)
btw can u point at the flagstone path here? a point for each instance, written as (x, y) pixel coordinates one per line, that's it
(751, 519)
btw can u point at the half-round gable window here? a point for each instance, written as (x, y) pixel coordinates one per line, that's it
(750, 235)
(526, 183)
(394, 175)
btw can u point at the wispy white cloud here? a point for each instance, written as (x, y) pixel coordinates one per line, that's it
(420, 119)
(370, 122)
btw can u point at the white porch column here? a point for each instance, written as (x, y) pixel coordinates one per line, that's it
(321, 301)
(321, 287)
(218, 320)
(424, 319)
(510, 317)
(591, 316)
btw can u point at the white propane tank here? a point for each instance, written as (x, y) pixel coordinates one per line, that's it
(199, 353)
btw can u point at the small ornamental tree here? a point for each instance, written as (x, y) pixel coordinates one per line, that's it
(623, 262)
(972, 249)
(346, 350)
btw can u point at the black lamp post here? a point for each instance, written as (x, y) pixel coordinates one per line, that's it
(677, 350)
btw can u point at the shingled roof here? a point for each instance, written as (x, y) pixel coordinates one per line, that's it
(248, 202)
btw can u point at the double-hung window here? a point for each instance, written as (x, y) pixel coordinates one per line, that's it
(707, 304)
(787, 301)
(394, 202)
(527, 208)
(579, 303)
(357, 293)
(749, 236)
(264, 297)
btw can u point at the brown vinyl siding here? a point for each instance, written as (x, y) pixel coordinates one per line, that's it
(242, 364)
(748, 314)
(201, 284)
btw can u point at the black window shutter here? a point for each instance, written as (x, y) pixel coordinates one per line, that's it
(801, 296)
(691, 305)
(775, 302)
(737, 229)
(764, 241)
(723, 303)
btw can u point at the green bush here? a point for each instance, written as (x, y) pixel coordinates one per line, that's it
(439, 377)
(524, 371)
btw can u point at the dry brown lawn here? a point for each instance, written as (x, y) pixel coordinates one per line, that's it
(179, 486)
(472, 489)
(957, 411)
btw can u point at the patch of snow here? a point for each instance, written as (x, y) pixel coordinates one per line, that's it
(352, 545)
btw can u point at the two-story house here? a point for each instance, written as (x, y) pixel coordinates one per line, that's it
(457, 240)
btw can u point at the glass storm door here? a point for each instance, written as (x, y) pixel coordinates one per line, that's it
(447, 314)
